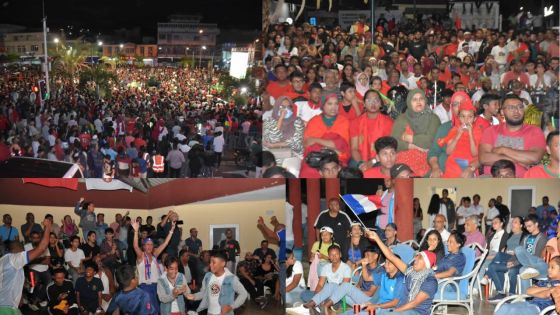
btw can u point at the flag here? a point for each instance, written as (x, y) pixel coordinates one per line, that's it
(100, 184)
(360, 204)
(70, 183)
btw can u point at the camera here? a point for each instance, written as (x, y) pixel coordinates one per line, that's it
(314, 158)
(179, 222)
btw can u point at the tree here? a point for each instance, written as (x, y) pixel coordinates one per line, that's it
(101, 79)
(68, 61)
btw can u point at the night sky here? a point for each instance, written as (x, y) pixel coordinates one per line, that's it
(107, 15)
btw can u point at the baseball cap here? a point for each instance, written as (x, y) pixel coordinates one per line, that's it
(326, 229)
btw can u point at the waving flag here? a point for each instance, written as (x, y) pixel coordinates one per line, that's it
(361, 204)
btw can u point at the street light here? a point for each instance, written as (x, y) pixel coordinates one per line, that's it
(200, 56)
(200, 31)
(56, 40)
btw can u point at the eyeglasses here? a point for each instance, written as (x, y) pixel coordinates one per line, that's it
(519, 107)
(372, 101)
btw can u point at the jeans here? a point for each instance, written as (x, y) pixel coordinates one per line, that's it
(497, 270)
(528, 260)
(174, 172)
(352, 293)
(325, 293)
(524, 308)
(294, 295)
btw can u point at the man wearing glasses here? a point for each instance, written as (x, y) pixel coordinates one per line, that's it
(515, 141)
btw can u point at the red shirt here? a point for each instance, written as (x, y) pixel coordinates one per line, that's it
(276, 90)
(510, 75)
(374, 172)
(527, 138)
(351, 114)
(539, 172)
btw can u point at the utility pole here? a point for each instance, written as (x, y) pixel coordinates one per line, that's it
(46, 56)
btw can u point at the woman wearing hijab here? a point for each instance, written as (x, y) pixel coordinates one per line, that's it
(362, 84)
(283, 130)
(415, 130)
(462, 140)
(326, 131)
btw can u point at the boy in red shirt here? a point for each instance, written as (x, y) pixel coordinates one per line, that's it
(386, 148)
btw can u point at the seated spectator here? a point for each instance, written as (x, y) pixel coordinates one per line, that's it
(356, 246)
(420, 284)
(254, 286)
(74, 257)
(540, 293)
(110, 253)
(263, 251)
(391, 234)
(328, 130)
(366, 129)
(61, 295)
(283, 131)
(331, 276)
(68, 230)
(56, 251)
(552, 169)
(473, 234)
(497, 266)
(130, 299)
(295, 282)
(415, 131)
(329, 166)
(89, 290)
(321, 247)
(503, 169)
(521, 143)
(171, 287)
(386, 149)
(462, 141)
(311, 108)
(90, 248)
(452, 264)
(434, 243)
(267, 272)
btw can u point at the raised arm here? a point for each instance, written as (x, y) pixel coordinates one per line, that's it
(161, 247)
(77, 208)
(267, 232)
(135, 225)
(387, 251)
(40, 249)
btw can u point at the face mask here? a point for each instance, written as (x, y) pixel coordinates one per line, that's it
(288, 114)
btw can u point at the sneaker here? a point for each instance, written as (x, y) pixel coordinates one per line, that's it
(297, 310)
(475, 291)
(529, 273)
(43, 304)
(484, 281)
(497, 299)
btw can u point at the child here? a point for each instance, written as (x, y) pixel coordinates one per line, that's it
(462, 140)
(541, 293)
(131, 300)
(88, 290)
(61, 295)
(386, 149)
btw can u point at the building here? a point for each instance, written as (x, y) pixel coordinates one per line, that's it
(6, 29)
(130, 50)
(25, 43)
(185, 36)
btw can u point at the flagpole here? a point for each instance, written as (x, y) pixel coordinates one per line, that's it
(357, 216)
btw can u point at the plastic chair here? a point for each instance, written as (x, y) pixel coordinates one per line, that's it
(512, 299)
(411, 243)
(462, 286)
(549, 310)
(356, 275)
(404, 251)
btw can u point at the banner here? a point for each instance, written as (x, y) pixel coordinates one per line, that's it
(484, 15)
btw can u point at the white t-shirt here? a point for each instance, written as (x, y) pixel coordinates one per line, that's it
(219, 144)
(174, 305)
(443, 115)
(495, 242)
(444, 236)
(74, 258)
(38, 267)
(12, 278)
(466, 212)
(547, 81)
(337, 276)
(296, 270)
(413, 82)
(492, 213)
(214, 288)
(500, 54)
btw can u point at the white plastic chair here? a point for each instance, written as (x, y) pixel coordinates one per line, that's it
(356, 275)
(550, 310)
(411, 243)
(462, 296)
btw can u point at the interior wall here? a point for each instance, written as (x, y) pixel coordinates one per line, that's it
(486, 188)
(201, 216)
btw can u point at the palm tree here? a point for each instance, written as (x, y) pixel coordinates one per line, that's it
(69, 60)
(102, 79)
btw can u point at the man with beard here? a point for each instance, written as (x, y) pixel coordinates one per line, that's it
(522, 144)
(485, 87)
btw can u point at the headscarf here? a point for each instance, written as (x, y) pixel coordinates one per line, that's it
(288, 128)
(466, 100)
(418, 278)
(362, 89)
(466, 104)
(419, 122)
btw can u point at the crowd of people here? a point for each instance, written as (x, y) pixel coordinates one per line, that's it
(153, 122)
(444, 102)
(134, 267)
(361, 269)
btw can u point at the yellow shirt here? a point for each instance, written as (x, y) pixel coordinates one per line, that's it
(324, 248)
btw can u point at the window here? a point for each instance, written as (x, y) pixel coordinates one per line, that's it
(142, 51)
(521, 198)
(34, 48)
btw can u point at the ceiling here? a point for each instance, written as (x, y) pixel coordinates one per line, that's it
(164, 193)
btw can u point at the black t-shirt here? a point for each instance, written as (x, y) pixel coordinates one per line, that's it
(175, 239)
(231, 247)
(94, 251)
(262, 255)
(56, 292)
(417, 49)
(148, 228)
(89, 292)
(340, 225)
